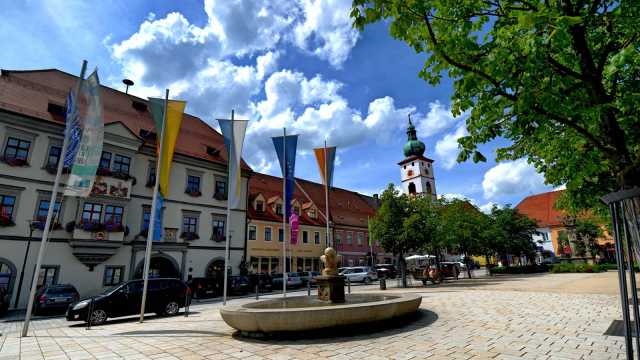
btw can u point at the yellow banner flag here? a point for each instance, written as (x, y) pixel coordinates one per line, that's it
(175, 111)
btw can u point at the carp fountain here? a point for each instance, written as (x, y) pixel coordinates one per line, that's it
(329, 309)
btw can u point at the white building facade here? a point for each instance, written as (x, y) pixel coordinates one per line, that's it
(99, 241)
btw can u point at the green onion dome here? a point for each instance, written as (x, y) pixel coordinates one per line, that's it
(413, 145)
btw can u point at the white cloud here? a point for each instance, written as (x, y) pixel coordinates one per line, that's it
(267, 63)
(326, 30)
(315, 110)
(561, 187)
(509, 178)
(438, 119)
(452, 196)
(486, 208)
(447, 147)
(248, 26)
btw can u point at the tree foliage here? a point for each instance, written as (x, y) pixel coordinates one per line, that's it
(405, 224)
(559, 78)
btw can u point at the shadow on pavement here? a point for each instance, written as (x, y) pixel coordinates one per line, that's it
(174, 333)
(129, 319)
(420, 319)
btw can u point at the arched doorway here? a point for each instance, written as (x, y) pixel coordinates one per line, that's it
(215, 269)
(8, 274)
(429, 190)
(161, 266)
(412, 188)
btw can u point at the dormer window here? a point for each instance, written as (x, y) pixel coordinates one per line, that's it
(312, 213)
(297, 210)
(279, 209)
(259, 206)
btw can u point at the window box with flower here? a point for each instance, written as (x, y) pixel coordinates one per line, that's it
(14, 161)
(92, 226)
(193, 192)
(6, 221)
(39, 224)
(189, 236)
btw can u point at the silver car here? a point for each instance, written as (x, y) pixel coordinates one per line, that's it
(363, 274)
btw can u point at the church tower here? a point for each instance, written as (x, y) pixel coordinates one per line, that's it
(416, 170)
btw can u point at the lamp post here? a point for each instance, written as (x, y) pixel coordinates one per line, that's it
(24, 262)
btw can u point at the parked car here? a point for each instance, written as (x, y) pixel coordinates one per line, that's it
(293, 281)
(307, 276)
(205, 287)
(165, 297)
(363, 274)
(450, 269)
(54, 298)
(4, 301)
(263, 280)
(387, 271)
(238, 285)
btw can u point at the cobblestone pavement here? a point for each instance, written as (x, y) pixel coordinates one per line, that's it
(455, 322)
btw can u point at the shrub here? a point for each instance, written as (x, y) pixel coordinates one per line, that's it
(577, 268)
(526, 269)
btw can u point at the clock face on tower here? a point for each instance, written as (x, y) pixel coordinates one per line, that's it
(410, 173)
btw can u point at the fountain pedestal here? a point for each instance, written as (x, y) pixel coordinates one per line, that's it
(330, 288)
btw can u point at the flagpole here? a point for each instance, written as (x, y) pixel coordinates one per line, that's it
(45, 231)
(227, 234)
(326, 194)
(152, 219)
(284, 212)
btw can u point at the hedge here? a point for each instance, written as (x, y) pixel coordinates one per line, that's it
(526, 269)
(577, 268)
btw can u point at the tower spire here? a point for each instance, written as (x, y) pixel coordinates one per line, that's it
(413, 145)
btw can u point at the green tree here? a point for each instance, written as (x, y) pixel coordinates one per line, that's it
(559, 78)
(587, 232)
(511, 233)
(460, 229)
(388, 226)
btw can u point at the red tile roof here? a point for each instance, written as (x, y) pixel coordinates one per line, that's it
(541, 208)
(347, 208)
(270, 187)
(30, 92)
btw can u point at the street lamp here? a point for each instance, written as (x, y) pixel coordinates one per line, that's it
(24, 262)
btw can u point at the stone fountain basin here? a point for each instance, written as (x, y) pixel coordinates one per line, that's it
(302, 313)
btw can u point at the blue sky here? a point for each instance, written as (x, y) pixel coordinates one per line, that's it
(294, 63)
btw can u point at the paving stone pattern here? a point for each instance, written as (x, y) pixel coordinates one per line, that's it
(453, 324)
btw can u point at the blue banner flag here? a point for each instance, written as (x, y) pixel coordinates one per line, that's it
(288, 170)
(73, 130)
(157, 221)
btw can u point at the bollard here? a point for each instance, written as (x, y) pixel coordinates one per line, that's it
(187, 304)
(257, 292)
(309, 287)
(383, 283)
(89, 314)
(349, 285)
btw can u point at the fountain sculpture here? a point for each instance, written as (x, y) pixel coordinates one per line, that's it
(331, 308)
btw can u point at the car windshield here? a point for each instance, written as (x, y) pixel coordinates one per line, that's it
(60, 290)
(109, 290)
(347, 271)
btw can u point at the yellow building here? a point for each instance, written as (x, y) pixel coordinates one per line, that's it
(264, 229)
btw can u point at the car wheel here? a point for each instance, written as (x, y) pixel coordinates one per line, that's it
(98, 317)
(367, 280)
(172, 308)
(424, 282)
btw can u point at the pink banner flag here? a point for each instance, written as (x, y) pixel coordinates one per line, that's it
(294, 221)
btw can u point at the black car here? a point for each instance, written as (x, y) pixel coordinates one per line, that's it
(164, 297)
(54, 298)
(387, 271)
(263, 280)
(203, 288)
(238, 285)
